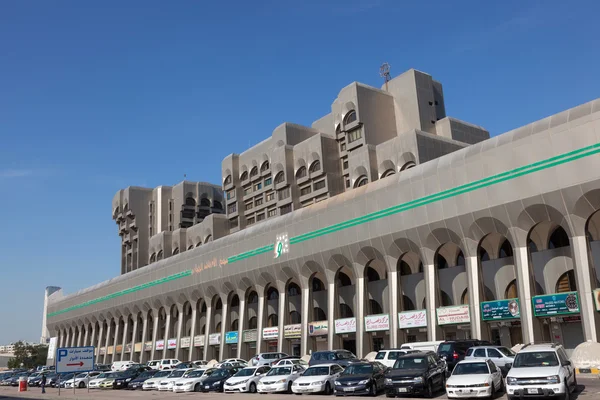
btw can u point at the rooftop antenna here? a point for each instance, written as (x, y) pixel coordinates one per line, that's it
(384, 72)
(184, 176)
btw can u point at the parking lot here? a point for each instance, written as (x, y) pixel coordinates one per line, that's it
(589, 388)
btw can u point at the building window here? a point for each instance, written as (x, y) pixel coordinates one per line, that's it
(354, 135)
(247, 190)
(347, 183)
(244, 176)
(232, 208)
(304, 191)
(268, 182)
(228, 180)
(233, 223)
(272, 213)
(170, 205)
(231, 194)
(350, 117)
(270, 196)
(361, 181)
(279, 178)
(315, 166)
(249, 205)
(254, 172)
(264, 167)
(258, 201)
(284, 193)
(321, 198)
(345, 164)
(301, 173)
(260, 217)
(250, 221)
(285, 209)
(320, 185)
(257, 186)
(387, 173)
(342, 146)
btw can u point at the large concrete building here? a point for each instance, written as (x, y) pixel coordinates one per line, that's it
(384, 222)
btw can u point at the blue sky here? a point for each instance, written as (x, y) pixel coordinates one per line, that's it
(97, 96)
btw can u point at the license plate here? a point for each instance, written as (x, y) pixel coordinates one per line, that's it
(402, 390)
(532, 391)
(348, 389)
(206, 387)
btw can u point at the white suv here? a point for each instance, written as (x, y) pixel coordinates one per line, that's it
(541, 370)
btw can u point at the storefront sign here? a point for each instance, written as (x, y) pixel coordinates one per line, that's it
(453, 315)
(250, 335)
(318, 328)
(270, 333)
(282, 245)
(185, 342)
(128, 348)
(412, 319)
(374, 323)
(109, 350)
(214, 339)
(345, 325)
(597, 299)
(292, 331)
(551, 305)
(137, 348)
(199, 341)
(160, 345)
(119, 349)
(500, 309)
(102, 351)
(171, 343)
(231, 337)
(148, 346)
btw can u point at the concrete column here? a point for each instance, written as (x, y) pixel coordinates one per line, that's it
(132, 344)
(224, 324)
(192, 332)
(524, 274)
(93, 337)
(68, 339)
(241, 324)
(305, 317)
(179, 329)
(154, 334)
(430, 296)
(86, 335)
(107, 341)
(585, 290)
(207, 330)
(331, 315)
(62, 338)
(473, 285)
(282, 318)
(360, 317)
(393, 293)
(124, 341)
(116, 340)
(79, 335)
(259, 322)
(144, 337)
(167, 333)
(100, 339)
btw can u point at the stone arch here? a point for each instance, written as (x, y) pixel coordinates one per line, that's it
(386, 166)
(582, 211)
(546, 217)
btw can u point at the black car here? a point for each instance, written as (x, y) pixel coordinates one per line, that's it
(185, 365)
(415, 374)
(340, 357)
(102, 367)
(14, 380)
(122, 379)
(216, 380)
(138, 382)
(59, 380)
(361, 378)
(454, 351)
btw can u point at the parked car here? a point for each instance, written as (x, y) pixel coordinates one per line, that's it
(245, 380)
(154, 364)
(95, 383)
(168, 363)
(423, 346)
(455, 350)
(120, 365)
(539, 370)
(166, 384)
(138, 382)
(265, 358)
(61, 379)
(501, 356)
(339, 357)
(361, 378)
(290, 361)
(192, 382)
(279, 379)
(232, 361)
(185, 365)
(216, 380)
(474, 378)
(81, 380)
(102, 367)
(108, 382)
(389, 357)
(200, 363)
(415, 374)
(152, 383)
(318, 379)
(122, 379)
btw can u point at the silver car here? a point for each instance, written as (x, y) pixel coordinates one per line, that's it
(265, 358)
(246, 380)
(499, 355)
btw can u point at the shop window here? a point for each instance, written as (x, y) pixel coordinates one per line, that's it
(375, 307)
(559, 238)
(319, 314)
(566, 282)
(317, 285)
(346, 311)
(505, 250)
(295, 317)
(273, 320)
(511, 290)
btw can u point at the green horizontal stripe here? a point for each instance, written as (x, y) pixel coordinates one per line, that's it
(469, 187)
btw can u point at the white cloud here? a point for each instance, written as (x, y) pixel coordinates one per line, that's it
(15, 173)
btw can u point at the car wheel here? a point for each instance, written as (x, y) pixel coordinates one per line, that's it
(327, 389)
(567, 395)
(493, 392)
(289, 389)
(429, 392)
(374, 389)
(81, 385)
(252, 388)
(197, 387)
(575, 387)
(389, 395)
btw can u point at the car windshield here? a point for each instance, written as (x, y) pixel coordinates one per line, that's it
(445, 348)
(162, 374)
(316, 371)
(177, 374)
(411, 363)
(471, 369)
(538, 359)
(324, 356)
(220, 373)
(280, 371)
(146, 374)
(195, 374)
(83, 375)
(355, 369)
(246, 372)
(506, 351)
(119, 375)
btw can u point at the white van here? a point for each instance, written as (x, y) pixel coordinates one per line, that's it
(422, 346)
(389, 357)
(121, 365)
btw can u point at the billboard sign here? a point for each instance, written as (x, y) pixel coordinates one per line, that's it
(345, 325)
(453, 315)
(271, 333)
(500, 309)
(551, 305)
(75, 359)
(374, 323)
(292, 331)
(318, 328)
(412, 319)
(231, 337)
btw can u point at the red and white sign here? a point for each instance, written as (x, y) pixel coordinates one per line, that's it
(160, 344)
(199, 341)
(412, 319)
(379, 322)
(453, 315)
(271, 333)
(345, 325)
(171, 343)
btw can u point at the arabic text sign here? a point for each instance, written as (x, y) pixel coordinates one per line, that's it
(251, 335)
(550, 305)
(345, 325)
(412, 319)
(293, 331)
(214, 339)
(199, 341)
(374, 323)
(160, 345)
(270, 333)
(185, 342)
(147, 346)
(318, 328)
(75, 359)
(172, 343)
(231, 337)
(500, 309)
(453, 315)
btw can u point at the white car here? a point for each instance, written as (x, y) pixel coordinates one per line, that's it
(154, 364)
(93, 383)
(81, 380)
(152, 383)
(245, 380)
(279, 379)
(317, 379)
(539, 369)
(236, 361)
(291, 361)
(474, 378)
(389, 357)
(168, 382)
(121, 365)
(192, 381)
(168, 363)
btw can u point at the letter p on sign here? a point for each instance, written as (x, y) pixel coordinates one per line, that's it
(62, 353)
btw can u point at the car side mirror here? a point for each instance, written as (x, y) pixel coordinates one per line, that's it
(508, 365)
(567, 363)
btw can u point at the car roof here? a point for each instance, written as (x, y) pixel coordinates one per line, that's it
(493, 346)
(539, 347)
(471, 361)
(327, 365)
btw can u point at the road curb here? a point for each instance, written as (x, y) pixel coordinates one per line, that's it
(587, 371)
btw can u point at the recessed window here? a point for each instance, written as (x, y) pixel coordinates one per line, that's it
(268, 181)
(230, 194)
(387, 173)
(254, 171)
(345, 164)
(284, 193)
(233, 222)
(342, 146)
(305, 190)
(257, 186)
(258, 202)
(315, 166)
(347, 183)
(232, 208)
(301, 173)
(279, 178)
(264, 167)
(270, 196)
(350, 117)
(247, 190)
(272, 213)
(249, 205)
(285, 209)
(320, 185)
(260, 217)
(361, 181)
(244, 176)
(354, 135)
(250, 221)
(228, 180)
